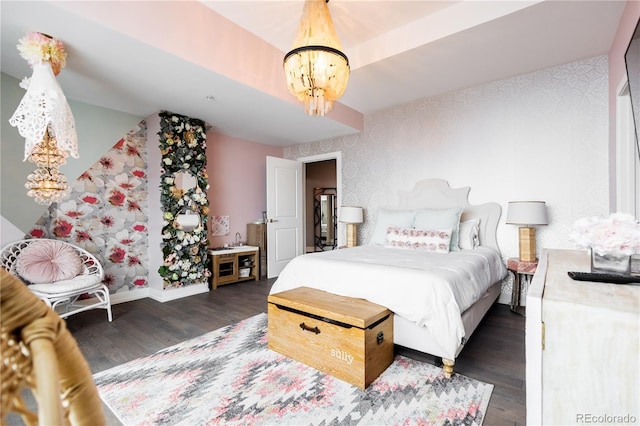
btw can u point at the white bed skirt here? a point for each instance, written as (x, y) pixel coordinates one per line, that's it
(406, 333)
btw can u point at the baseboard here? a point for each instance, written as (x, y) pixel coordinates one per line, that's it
(128, 296)
(157, 295)
(121, 297)
(178, 293)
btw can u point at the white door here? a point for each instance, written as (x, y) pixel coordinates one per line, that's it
(285, 216)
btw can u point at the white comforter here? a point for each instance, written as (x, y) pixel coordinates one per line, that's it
(430, 289)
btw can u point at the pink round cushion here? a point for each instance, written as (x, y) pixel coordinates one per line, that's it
(47, 261)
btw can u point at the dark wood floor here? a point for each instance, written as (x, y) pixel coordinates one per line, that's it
(494, 354)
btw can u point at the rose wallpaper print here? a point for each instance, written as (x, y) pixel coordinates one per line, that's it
(106, 213)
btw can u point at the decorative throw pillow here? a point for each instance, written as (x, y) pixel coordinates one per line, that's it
(440, 219)
(388, 217)
(47, 261)
(436, 240)
(469, 234)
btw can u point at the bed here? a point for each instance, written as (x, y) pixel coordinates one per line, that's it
(433, 260)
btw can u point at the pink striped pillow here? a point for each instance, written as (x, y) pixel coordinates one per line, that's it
(47, 261)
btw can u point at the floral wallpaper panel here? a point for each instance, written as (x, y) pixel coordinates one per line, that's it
(106, 213)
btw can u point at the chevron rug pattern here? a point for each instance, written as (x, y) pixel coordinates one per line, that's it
(230, 377)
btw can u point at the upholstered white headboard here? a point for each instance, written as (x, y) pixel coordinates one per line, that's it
(437, 194)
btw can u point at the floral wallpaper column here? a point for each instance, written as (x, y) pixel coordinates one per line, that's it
(106, 213)
(183, 147)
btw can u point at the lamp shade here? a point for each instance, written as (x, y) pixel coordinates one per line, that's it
(527, 213)
(350, 214)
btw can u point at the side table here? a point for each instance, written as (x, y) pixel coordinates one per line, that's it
(522, 271)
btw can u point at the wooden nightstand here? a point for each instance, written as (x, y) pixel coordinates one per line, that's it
(522, 271)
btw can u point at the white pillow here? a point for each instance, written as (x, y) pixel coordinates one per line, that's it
(436, 240)
(440, 219)
(469, 234)
(386, 218)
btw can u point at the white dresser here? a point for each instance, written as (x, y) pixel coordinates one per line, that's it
(582, 350)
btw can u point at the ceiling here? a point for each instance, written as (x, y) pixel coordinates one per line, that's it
(399, 51)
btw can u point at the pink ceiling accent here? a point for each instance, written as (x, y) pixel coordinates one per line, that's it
(190, 30)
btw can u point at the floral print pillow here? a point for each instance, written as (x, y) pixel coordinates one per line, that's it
(434, 240)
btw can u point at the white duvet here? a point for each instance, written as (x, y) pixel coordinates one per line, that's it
(430, 289)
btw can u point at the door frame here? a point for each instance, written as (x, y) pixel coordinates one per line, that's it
(337, 156)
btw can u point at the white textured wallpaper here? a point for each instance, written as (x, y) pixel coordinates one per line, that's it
(539, 136)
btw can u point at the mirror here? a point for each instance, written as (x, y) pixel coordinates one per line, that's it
(185, 181)
(188, 219)
(632, 61)
(325, 220)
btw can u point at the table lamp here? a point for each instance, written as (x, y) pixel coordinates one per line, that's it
(351, 216)
(527, 214)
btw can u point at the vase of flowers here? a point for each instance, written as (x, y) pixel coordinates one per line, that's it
(612, 241)
(610, 262)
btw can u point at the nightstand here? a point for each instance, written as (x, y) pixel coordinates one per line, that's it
(522, 271)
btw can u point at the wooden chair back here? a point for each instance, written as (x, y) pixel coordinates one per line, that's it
(38, 352)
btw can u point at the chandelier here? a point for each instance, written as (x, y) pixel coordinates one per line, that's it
(44, 118)
(46, 184)
(316, 70)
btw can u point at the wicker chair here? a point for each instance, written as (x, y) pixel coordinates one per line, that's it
(63, 297)
(39, 353)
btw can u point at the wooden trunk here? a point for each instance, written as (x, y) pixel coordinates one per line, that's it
(351, 339)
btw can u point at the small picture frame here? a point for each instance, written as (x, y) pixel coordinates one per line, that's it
(219, 226)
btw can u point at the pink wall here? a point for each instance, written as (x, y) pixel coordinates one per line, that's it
(617, 71)
(237, 179)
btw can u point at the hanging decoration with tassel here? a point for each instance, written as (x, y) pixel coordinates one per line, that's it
(44, 118)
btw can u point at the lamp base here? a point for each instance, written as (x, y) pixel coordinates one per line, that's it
(351, 235)
(527, 244)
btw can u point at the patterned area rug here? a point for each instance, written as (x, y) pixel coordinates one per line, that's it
(229, 376)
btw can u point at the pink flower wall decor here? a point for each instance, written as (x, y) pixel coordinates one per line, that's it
(183, 146)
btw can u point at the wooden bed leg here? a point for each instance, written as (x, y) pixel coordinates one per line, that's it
(447, 367)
